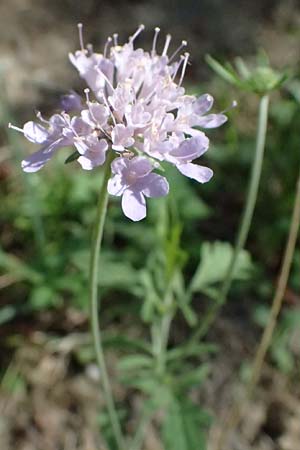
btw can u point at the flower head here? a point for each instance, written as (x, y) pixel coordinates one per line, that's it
(136, 108)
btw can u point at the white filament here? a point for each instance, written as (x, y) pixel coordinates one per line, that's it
(156, 33)
(109, 39)
(13, 127)
(138, 31)
(167, 43)
(181, 46)
(80, 26)
(185, 61)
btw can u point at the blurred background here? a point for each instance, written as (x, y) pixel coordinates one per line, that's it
(48, 379)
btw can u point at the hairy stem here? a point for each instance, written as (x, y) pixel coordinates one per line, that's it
(94, 306)
(246, 217)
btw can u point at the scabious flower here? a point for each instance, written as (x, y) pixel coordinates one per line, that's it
(136, 108)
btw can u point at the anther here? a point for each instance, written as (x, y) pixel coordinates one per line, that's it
(109, 39)
(115, 36)
(15, 128)
(233, 105)
(80, 27)
(41, 118)
(156, 33)
(138, 31)
(87, 94)
(167, 43)
(181, 46)
(90, 49)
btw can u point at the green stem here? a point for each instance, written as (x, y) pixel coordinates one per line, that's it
(139, 436)
(246, 217)
(94, 306)
(279, 294)
(164, 330)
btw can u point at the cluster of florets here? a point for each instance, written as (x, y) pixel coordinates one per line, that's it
(138, 112)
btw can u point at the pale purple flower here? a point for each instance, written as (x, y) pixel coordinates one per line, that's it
(134, 180)
(122, 137)
(136, 108)
(92, 151)
(49, 137)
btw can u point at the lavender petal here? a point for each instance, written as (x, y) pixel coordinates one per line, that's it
(199, 173)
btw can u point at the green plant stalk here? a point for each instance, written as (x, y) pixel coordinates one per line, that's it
(139, 436)
(164, 329)
(279, 294)
(160, 337)
(236, 412)
(246, 217)
(94, 304)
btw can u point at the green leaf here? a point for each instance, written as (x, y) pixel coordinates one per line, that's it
(19, 269)
(188, 350)
(151, 297)
(194, 377)
(242, 68)
(43, 297)
(75, 155)
(123, 342)
(225, 73)
(214, 262)
(185, 426)
(134, 362)
(7, 313)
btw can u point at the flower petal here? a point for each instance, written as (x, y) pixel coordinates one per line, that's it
(35, 132)
(154, 185)
(37, 160)
(139, 166)
(203, 104)
(191, 148)
(89, 162)
(211, 120)
(119, 164)
(134, 205)
(115, 185)
(198, 173)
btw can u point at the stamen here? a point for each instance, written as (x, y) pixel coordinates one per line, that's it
(181, 46)
(167, 43)
(13, 127)
(185, 61)
(41, 118)
(109, 109)
(105, 77)
(233, 105)
(90, 49)
(69, 124)
(115, 36)
(80, 26)
(177, 67)
(156, 33)
(138, 31)
(87, 95)
(109, 39)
